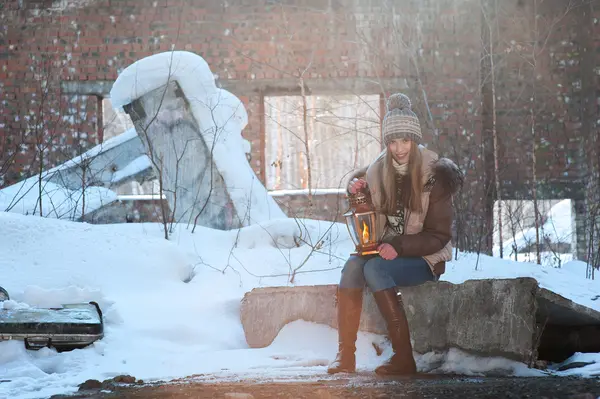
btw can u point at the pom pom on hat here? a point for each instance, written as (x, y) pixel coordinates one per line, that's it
(398, 101)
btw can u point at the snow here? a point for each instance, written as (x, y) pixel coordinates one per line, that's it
(57, 201)
(171, 308)
(61, 202)
(220, 115)
(557, 228)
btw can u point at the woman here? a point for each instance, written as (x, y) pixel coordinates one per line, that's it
(412, 191)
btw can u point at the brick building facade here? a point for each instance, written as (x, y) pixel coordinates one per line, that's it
(59, 58)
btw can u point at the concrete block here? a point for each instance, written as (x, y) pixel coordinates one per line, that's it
(492, 317)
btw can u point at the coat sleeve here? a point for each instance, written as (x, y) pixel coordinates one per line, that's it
(437, 227)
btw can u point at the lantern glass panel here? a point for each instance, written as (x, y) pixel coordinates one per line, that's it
(351, 223)
(365, 231)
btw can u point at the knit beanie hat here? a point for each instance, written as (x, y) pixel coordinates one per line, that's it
(400, 121)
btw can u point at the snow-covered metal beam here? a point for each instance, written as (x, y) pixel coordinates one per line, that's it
(109, 164)
(83, 184)
(191, 130)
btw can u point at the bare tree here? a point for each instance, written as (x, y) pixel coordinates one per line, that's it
(593, 241)
(491, 23)
(531, 51)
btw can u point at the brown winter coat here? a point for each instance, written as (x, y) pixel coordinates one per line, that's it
(427, 234)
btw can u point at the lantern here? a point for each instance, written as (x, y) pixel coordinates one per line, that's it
(361, 220)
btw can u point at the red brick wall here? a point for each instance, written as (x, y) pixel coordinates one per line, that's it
(593, 106)
(41, 46)
(552, 89)
(239, 41)
(591, 217)
(37, 123)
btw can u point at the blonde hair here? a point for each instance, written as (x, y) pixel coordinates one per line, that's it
(411, 186)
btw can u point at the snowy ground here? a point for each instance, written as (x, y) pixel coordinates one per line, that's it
(172, 307)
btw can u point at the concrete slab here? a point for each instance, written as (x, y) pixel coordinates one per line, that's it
(492, 317)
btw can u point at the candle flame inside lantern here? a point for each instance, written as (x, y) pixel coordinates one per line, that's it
(365, 233)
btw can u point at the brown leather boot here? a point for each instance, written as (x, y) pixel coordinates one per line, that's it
(391, 307)
(349, 307)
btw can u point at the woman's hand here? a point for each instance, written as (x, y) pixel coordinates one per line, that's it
(356, 185)
(387, 252)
